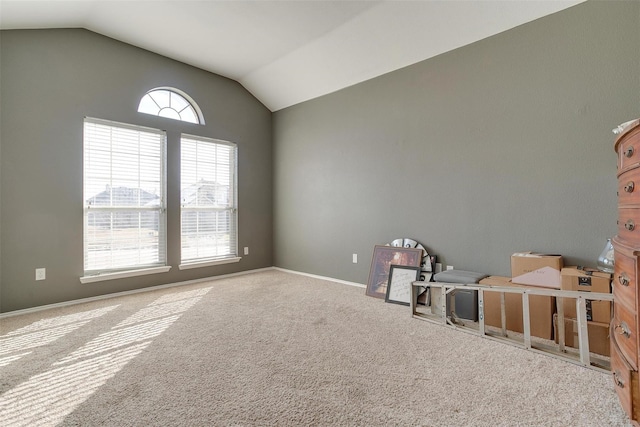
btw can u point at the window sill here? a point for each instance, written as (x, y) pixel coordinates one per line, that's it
(199, 264)
(123, 274)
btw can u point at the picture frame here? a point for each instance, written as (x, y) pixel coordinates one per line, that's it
(381, 261)
(399, 285)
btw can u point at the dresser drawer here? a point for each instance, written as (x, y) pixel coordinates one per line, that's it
(624, 281)
(624, 329)
(629, 225)
(629, 187)
(625, 381)
(628, 149)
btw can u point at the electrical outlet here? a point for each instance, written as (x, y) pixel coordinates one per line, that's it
(41, 273)
(246, 250)
(355, 258)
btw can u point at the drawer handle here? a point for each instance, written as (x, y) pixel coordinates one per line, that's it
(624, 330)
(623, 279)
(628, 152)
(617, 379)
(629, 187)
(630, 225)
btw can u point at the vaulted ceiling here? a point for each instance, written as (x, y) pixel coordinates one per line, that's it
(286, 52)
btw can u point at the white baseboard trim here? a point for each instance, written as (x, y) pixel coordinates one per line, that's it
(315, 276)
(131, 292)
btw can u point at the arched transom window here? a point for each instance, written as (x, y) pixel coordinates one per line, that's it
(171, 103)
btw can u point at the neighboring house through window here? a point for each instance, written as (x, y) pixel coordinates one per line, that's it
(208, 195)
(124, 197)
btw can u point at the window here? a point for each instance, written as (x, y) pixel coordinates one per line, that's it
(171, 103)
(124, 197)
(208, 196)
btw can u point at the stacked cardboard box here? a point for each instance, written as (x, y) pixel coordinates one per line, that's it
(533, 269)
(541, 309)
(598, 312)
(598, 335)
(528, 269)
(587, 280)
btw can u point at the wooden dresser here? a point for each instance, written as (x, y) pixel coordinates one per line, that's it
(624, 326)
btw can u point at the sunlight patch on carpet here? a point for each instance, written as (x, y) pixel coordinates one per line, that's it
(44, 332)
(63, 320)
(47, 398)
(4, 361)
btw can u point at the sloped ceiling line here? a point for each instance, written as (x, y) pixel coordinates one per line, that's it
(287, 52)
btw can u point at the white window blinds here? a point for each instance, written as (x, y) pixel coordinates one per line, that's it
(124, 197)
(208, 197)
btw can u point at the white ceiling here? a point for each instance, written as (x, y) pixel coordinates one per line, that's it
(287, 52)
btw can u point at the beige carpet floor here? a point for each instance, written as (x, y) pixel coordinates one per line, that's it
(278, 349)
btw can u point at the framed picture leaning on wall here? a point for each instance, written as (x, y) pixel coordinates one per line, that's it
(383, 257)
(399, 287)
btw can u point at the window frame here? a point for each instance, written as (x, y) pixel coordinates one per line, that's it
(99, 274)
(185, 97)
(206, 261)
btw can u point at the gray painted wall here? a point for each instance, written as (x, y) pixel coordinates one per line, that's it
(497, 147)
(51, 80)
(501, 146)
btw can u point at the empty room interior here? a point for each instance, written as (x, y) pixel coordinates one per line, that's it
(239, 212)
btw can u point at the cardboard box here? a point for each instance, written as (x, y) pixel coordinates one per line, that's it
(528, 268)
(598, 335)
(541, 309)
(587, 280)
